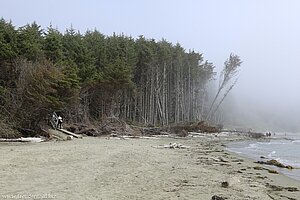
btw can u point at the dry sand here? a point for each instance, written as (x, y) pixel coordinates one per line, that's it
(100, 168)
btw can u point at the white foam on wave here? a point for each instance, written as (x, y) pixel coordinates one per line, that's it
(279, 143)
(296, 141)
(234, 150)
(285, 151)
(263, 143)
(271, 155)
(252, 146)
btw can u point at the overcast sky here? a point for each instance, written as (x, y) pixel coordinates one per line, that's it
(264, 33)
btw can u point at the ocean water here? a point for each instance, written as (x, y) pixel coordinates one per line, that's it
(283, 147)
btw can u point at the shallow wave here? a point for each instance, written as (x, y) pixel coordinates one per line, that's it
(252, 146)
(234, 151)
(284, 151)
(271, 155)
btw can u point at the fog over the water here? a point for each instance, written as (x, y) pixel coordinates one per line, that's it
(264, 33)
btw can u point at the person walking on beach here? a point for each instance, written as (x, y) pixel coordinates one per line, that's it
(59, 123)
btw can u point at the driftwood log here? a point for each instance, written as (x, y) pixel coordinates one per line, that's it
(29, 139)
(70, 133)
(59, 135)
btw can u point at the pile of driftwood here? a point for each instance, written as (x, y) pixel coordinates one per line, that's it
(180, 129)
(200, 127)
(116, 126)
(153, 130)
(275, 163)
(109, 126)
(82, 129)
(172, 146)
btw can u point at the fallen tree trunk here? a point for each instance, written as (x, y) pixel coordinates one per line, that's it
(29, 139)
(59, 135)
(10, 140)
(88, 132)
(70, 133)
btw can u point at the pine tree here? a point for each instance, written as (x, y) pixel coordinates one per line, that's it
(30, 42)
(52, 45)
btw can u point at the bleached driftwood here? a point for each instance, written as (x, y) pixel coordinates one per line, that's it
(70, 133)
(27, 139)
(172, 146)
(59, 135)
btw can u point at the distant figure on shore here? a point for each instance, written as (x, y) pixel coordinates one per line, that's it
(268, 134)
(59, 123)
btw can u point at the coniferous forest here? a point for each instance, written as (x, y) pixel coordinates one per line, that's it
(87, 77)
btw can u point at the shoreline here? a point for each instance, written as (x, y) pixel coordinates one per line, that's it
(102, 168)
(256, 155)
(279, 179)
(275, 186)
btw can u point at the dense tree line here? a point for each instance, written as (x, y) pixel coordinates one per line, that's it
(92, 76)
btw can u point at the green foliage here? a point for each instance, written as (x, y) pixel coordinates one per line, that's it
(69, 86)
(94, 75)
(118, 74)
(95, 43)
(52, 45)
(8, 40)
(30, 41)
(231, 67)
(39, 92)
(78, 53)
(7, 129)
(42, 87)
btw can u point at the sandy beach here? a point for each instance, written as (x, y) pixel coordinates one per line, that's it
(102, 168)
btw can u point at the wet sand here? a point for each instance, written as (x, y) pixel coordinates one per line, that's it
(101, 168)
